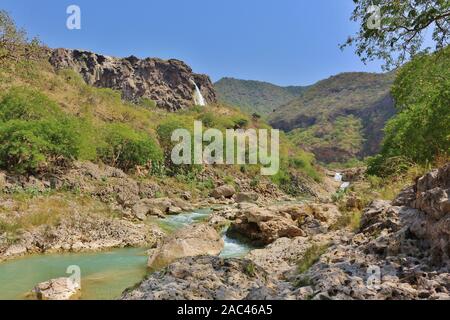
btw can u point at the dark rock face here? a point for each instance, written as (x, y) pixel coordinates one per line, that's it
(167, 82)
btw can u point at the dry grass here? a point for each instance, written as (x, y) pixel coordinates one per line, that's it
(375, 188)
(48, 210)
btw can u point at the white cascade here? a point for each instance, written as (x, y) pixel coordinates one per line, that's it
(199, 100)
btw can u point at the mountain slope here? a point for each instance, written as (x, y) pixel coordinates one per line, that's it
(255, 96)
(341, 117)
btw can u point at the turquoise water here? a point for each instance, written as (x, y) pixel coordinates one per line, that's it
(104, 275)
(175, 222)
(233, 248)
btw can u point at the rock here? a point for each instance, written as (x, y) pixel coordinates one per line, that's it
(247, 197)
(168, 83)
(83, 232)
(186, 196)
(57, 289)
(225, 191)
(218, 222)
(433, 222)
(174, 210)
(263, 226)
(159, 207)
(194, 240)
(208, 278)
(353, 202)
(153, 207)
(353, 174)
(147, 189)
(405, 197)
(380, 215)
(15, 250)
(182, 204)
(432, 193)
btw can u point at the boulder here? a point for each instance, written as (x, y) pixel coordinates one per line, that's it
(194, 240)
(174, 210)
(15, 250)
(247, 197)
(433, 193)
(218, 222)
(225, 191)
(208, 278)
(263, 226)
(153, 207)
(57, 289)
(186, 196)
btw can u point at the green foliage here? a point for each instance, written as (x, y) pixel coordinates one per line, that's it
(147, 103)
(250, 269)
(34, 133)
(27, 104)
(420, 133)
(126, 148)
(403, 29)
(14, 44)
(28, 146)
(255, 96)
(311, 256)
(344, 133)
(348, 219)
(303, 281)
(339, 118)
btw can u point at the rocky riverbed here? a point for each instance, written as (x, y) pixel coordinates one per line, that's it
(400, 252)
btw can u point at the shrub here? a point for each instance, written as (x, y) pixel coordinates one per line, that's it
(147, 103)
(30, 146)
(126, 148)
(15, 45)
(27, 104)
(420, 132)
(164, 132)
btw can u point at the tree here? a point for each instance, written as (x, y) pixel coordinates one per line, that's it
(400, 34)
(420, 132)
(14, 44)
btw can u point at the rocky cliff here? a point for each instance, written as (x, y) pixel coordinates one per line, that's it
(167, 82)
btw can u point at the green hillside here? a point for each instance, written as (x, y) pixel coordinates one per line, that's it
(255, 96)
(341, 117)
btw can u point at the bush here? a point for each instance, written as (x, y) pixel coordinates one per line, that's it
(148, 103)
(31, 146)
(15, 45)
(27, 104)
(126, 148)
(420, 132)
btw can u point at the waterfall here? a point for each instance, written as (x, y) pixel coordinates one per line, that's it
(198, 97)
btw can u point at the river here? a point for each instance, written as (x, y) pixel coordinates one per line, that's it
(105, 275)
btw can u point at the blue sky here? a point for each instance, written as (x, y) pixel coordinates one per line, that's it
(287, 42)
